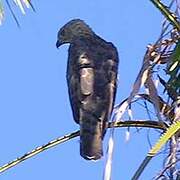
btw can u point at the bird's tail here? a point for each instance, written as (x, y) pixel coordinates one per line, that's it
(91, 135)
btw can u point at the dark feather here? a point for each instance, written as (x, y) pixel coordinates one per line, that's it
(91, 77)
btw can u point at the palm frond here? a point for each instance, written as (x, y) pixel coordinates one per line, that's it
(154, 150)
(21, 4)
(171, 17)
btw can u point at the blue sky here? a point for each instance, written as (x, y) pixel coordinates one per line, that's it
(34, 102)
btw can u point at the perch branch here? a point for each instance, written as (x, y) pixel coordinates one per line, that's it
(139, 123)
(146, 124)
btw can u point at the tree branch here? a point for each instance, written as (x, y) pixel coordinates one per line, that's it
(145, 124)
(138, 123)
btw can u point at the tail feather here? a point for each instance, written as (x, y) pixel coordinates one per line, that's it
(91, 135)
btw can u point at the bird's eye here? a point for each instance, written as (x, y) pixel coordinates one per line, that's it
(63, 32)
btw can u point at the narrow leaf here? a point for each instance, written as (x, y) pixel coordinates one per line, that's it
(173, 69)
(175, 60)
(108, 167)
(164, 138)
(166, 12)
(153, 94)
(154, 150)
(12, 12)
(19, 4)
(141, 168)
(26, 2)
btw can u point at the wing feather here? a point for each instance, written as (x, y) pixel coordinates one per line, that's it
(91, 77)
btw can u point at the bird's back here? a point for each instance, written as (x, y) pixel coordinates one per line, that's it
(91, 76)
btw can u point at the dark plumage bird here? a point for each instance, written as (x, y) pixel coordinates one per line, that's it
(91, 77)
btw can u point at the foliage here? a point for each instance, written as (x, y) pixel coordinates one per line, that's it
(22, 4)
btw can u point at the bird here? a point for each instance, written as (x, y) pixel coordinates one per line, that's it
(92, 83)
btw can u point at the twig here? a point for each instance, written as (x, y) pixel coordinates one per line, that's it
(146, 124)
(165, 169)
(39, 150)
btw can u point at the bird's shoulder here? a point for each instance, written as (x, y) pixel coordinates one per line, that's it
(94, 44)
(92, 40)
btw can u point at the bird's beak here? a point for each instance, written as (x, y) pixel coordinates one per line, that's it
(58, 43)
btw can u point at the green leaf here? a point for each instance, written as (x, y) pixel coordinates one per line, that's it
(167, 13)
(154, 150)
(175, 60)
(173, 69)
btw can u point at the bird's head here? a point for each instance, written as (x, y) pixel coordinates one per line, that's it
(72, 30)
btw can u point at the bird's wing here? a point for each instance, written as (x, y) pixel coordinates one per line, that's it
(91, 77)
(111, 70)
(80, 79)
